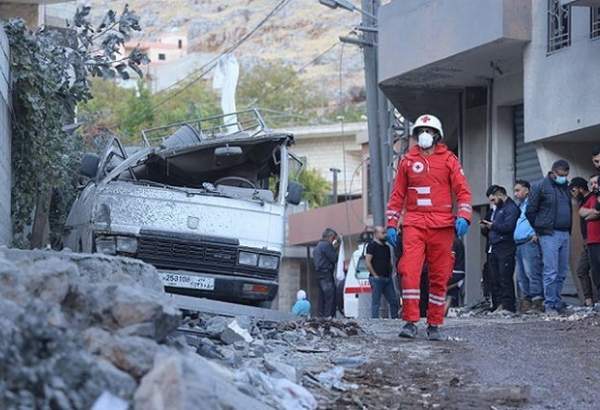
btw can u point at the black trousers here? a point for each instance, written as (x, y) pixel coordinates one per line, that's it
(326, 297)
(502, 269)
(583, 273)
(594, 254)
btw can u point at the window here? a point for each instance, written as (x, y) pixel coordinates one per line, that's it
(595, 23)
(162, 56)
(559, 26)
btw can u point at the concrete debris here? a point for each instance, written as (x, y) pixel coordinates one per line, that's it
(235, 333)
(108, 401)
(185, 382)
(280, 369)
(277, 392)
(93, 331)
(332, 379)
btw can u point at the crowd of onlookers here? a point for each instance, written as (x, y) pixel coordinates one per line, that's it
(531, 235)
(528, 238)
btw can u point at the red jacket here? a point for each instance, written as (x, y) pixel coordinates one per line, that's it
(424, 190)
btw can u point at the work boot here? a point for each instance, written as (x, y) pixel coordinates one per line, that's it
(434, 334)
(526, 305)
(409, 330)
(538, 305)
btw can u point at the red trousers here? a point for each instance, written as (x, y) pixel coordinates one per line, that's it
(435, 246)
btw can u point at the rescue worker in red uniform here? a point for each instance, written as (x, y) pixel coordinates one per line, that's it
(428, 178)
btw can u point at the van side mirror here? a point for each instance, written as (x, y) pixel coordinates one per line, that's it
(89, 165)
(295, 191)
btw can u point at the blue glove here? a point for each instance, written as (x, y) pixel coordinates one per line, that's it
(392, 236)
(461, 226)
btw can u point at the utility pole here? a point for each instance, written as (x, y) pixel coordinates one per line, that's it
(335, 172)
(372, 90)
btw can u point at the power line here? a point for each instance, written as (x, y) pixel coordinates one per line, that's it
(206, 68)
(211, 64)
(293, 76)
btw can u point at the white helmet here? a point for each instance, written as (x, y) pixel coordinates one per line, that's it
(430, 121)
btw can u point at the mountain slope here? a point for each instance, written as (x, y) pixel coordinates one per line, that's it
(294, 36)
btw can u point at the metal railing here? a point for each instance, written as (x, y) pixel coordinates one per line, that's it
(559, 26)
(595, 29)
(248, 123)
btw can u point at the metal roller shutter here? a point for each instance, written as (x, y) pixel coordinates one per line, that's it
(527, 164)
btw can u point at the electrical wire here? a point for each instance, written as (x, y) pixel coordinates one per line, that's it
(293, 76)
(206, 68)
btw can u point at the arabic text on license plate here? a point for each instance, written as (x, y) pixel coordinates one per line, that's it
(178, 280)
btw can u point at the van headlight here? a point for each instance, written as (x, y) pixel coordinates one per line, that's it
(268, 262)
(127, 244)
(248, 258)
(106, 245)
(111, 245)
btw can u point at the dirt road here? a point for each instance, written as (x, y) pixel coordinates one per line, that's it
(487, 364)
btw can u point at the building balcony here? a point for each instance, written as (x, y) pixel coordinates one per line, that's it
(305, 228)
(445, 45)
(582, 3)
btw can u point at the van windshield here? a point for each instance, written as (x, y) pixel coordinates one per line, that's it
(238, 169)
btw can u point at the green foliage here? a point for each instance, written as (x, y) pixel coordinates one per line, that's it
(279, 88)
(127, 112)
(316, 188)
(50, 71)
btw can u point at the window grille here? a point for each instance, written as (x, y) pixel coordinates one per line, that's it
(595, 23)
(559, 26)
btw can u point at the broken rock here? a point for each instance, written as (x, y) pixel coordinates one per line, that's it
(279, 369)
(235, 333)
(132, 354)
(188, 382)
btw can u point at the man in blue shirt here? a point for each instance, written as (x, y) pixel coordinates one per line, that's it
(528, 256)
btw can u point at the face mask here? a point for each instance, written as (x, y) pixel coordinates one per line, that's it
(425, 140)
(561, 180)
(500, 203)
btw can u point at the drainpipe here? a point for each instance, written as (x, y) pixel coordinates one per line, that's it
(489, 119)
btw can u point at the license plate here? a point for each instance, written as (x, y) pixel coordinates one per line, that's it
(178, 280)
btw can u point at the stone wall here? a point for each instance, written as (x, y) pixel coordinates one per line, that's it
(5, 142)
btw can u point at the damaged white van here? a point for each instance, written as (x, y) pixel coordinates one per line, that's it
(202, 202)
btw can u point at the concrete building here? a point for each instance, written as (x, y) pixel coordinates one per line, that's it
(339, 146)
(53, 13)
(170, 61)
(514, 81)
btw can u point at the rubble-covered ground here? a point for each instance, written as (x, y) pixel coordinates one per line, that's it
(87, 331)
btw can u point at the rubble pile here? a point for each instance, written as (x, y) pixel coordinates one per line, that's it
(93, 331)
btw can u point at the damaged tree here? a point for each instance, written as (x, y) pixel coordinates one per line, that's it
(50, 71)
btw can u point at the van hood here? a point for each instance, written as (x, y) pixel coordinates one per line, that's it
(126, 207)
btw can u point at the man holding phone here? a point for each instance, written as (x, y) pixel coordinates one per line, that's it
(325, 258)
(502, 247)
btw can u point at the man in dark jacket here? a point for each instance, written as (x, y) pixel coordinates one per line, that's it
(550, 213)
(325, 258)
(503, 248)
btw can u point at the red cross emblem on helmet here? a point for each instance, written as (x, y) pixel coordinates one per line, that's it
(425, 119)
